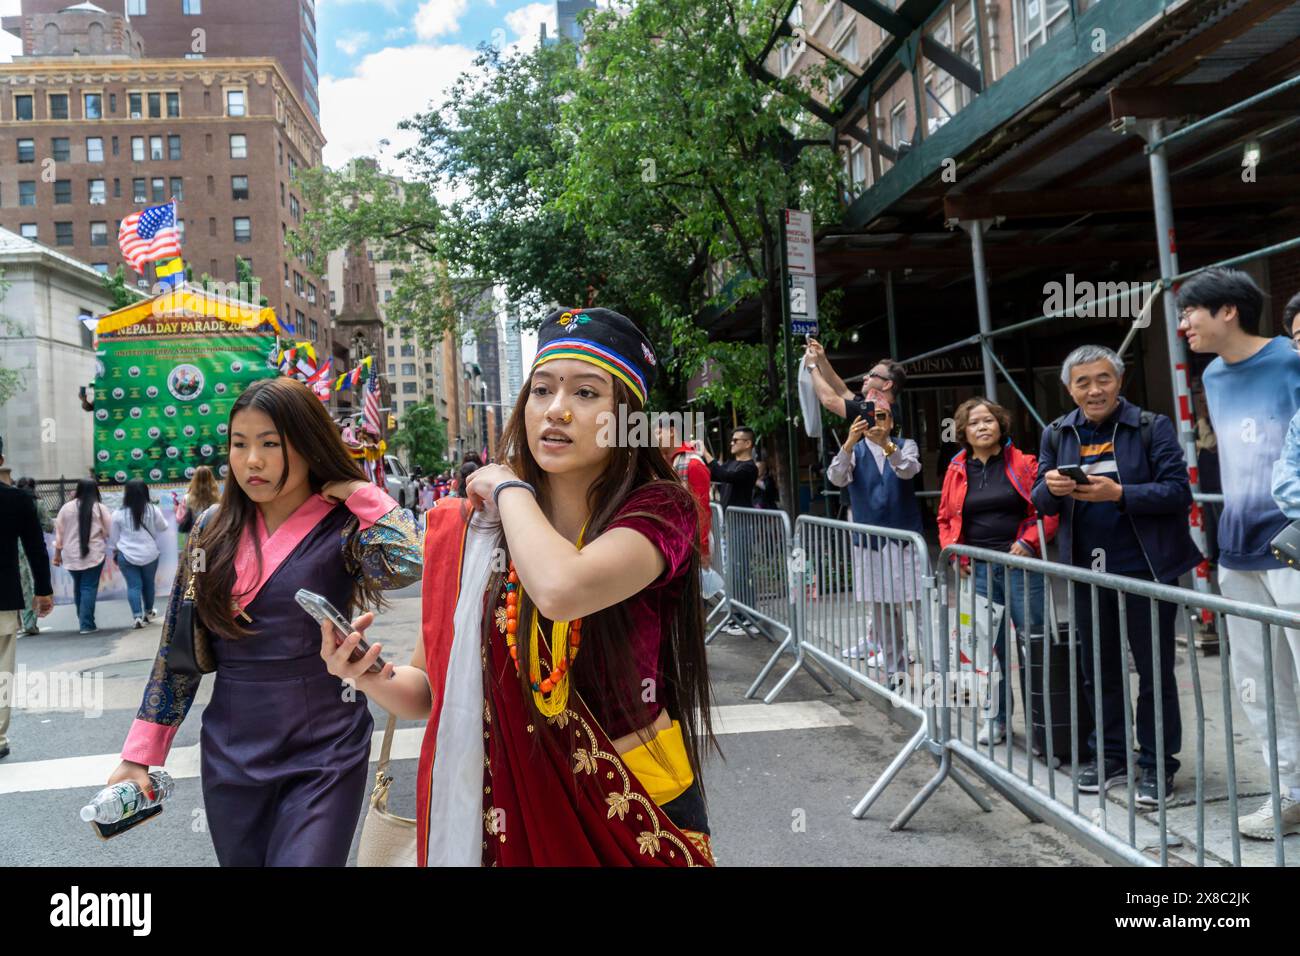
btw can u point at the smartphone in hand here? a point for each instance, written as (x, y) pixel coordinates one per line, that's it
(1075, 472)
(322, 610)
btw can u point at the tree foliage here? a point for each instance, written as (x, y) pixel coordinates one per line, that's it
(423, 434)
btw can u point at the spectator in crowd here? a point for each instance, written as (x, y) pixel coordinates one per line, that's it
(1253, 391)
(470, 465)
(1129, 518)
(20, 530)
(202, 494)
(28, 625)
(765, 490)
(136, 540)
(987, 503)
(878, 473)
(689, 465)
(884, 382)
(81, 531)
(736, 480)
(1289, 324)
(426, 493)
(738, 476)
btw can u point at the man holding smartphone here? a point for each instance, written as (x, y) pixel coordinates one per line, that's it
(1128, 518)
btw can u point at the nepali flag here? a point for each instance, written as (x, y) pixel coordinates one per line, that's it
(149, 236)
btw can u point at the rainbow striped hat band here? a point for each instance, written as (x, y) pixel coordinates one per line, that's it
(602, 338)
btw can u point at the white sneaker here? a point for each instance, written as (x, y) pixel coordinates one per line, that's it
(733, 628)
(1259, 825)
(139, 623)
(991, 729)
(151, 615)
(877, 659)
(856, 652)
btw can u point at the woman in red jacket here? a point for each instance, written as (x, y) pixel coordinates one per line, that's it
(986, 504)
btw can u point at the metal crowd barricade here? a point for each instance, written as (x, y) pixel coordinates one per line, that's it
(864, 612)
(721, 612)
(1034, 782)
(758, 587)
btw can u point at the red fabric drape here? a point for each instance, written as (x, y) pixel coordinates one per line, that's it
(543, 808)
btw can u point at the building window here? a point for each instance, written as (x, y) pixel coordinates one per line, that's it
(388, 295)
(62, 192)
(155, 105)
(136, 8)
(243, 229)
(315, 329)
(94, 106)
(279, 152)
(158, 189)
(238, 187)
(99, 233)
(138, 191)
(117, 188)
(297, 284)
(176, 186)
(311, 293)
(238, 146)
(135, 104)
(23, 109)
(59, 106)
(61, 149)
(234, 102)
(180, 230)
(898, 125)
(300, 321)
(1038, 20)
(212, 230)
(28, 230)
(173, 104)
(408, 368)
(63, 234)
(98, 192)
(295, 209)
(293, 168)
(846, 50)
(409, 388)
(94, 149)
(281, 195)
(392, 352)
(100, 267)
(27, 151)
(408, 350)
(191, 8)
(114, 145)
(173, 147)
(155, 147)
(137, 148)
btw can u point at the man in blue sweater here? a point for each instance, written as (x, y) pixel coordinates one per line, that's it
(1253, 391)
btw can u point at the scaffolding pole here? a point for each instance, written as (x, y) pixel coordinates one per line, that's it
(975, 230)
(1162, 200)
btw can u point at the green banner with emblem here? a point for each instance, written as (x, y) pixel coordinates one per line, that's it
(163, 391)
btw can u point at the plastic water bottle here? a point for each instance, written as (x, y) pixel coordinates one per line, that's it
(125, 799)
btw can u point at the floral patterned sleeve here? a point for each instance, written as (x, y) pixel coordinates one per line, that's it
(385, 546)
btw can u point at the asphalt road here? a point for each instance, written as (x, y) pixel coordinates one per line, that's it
(780, 795)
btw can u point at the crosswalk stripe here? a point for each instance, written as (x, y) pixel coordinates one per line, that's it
(66, 773)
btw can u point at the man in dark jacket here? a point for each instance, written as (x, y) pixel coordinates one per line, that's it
(18, 524)
(1129, 519)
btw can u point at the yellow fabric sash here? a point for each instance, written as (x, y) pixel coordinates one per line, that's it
(662, 784)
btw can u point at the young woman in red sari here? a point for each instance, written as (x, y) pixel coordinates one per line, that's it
(563, 668)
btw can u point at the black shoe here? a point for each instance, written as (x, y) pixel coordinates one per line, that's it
(1115, 774)
(1148, 788)
(4, 752)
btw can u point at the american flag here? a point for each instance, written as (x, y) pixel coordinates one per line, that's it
(370, 415)
(149, 235)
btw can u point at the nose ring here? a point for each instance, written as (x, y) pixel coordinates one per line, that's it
(567, 417)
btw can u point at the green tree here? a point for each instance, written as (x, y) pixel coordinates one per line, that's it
(672, 128)
(121, 293)
(423, 434)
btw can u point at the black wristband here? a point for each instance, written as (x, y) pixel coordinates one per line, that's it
(514, 483)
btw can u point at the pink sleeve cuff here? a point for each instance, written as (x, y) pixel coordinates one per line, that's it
(149, 743)
(370, 504)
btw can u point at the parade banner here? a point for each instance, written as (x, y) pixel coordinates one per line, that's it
(163, 390)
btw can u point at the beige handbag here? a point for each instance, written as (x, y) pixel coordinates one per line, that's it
(386, 839)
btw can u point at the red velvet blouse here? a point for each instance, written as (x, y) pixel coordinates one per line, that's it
(674, 531)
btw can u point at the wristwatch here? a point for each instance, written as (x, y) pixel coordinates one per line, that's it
(890, 448)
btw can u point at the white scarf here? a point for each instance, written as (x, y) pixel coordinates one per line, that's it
(456, 788)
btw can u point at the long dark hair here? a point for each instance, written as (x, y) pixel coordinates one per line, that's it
(301, 423)
(606, 658)
(135, 498)
(87, 497)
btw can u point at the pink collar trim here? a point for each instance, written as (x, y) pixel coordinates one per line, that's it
(275, 548)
